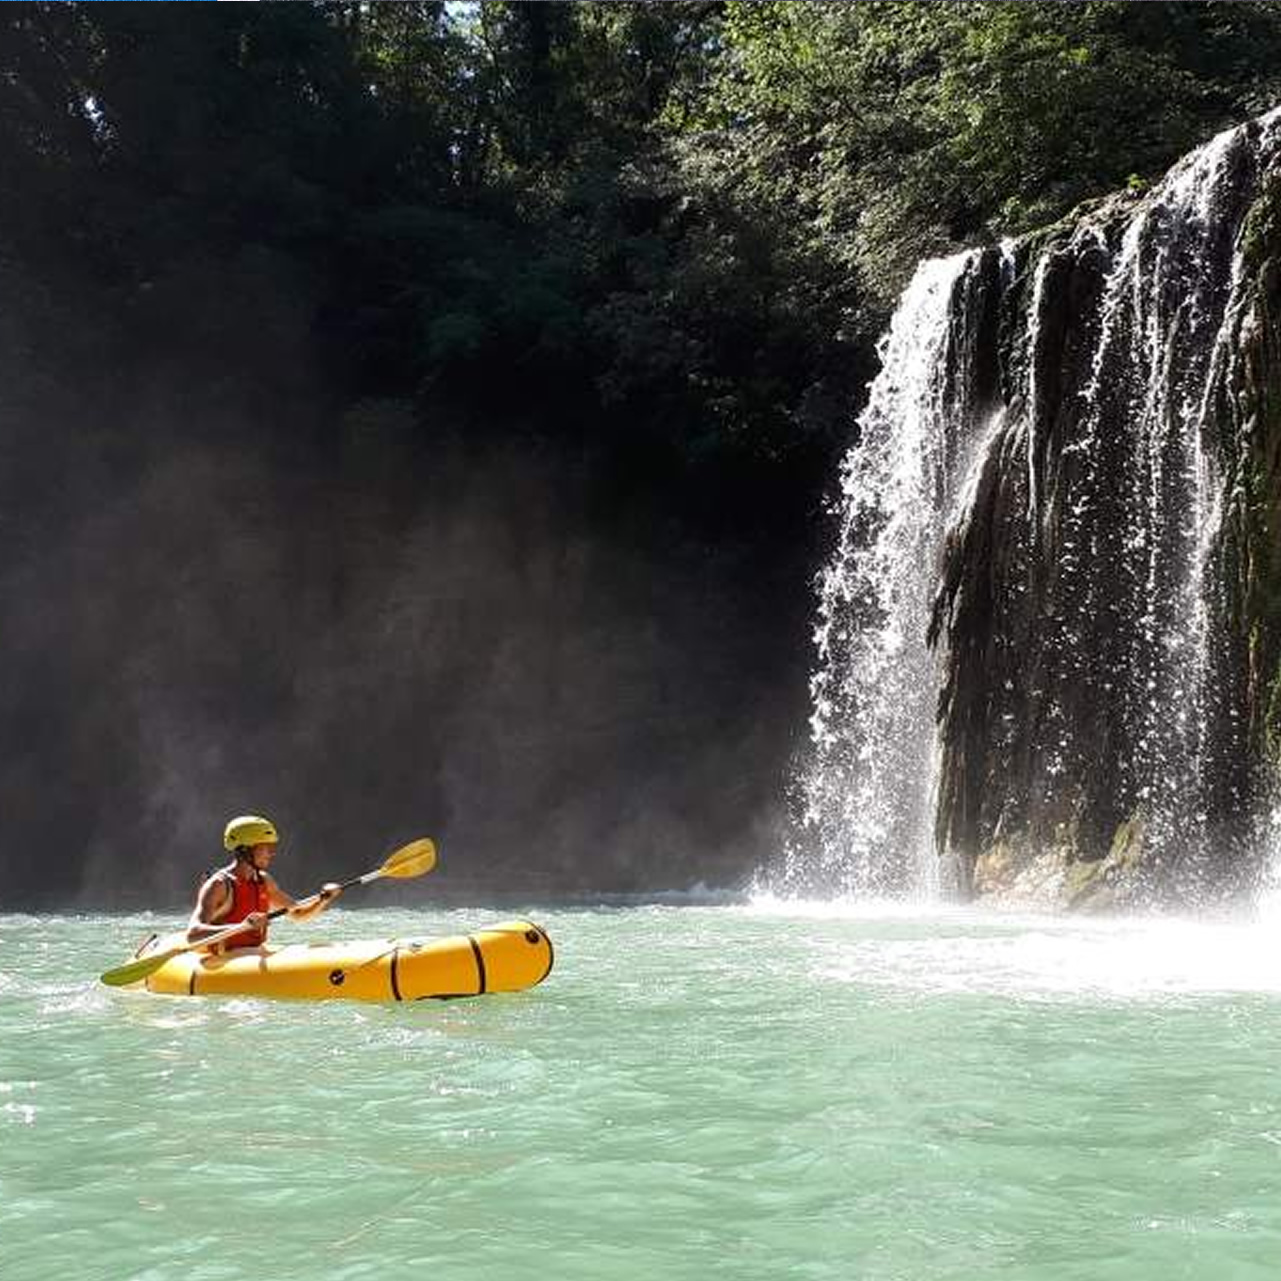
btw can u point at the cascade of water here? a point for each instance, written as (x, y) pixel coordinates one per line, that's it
(866, 810)
(1140, 504)
(1038, 485)
(1144, 514)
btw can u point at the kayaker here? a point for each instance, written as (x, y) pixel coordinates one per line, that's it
(245, 890)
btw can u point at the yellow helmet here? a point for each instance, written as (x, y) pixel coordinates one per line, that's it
(249, 829)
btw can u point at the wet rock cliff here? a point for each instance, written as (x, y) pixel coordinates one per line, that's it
(1050, 633)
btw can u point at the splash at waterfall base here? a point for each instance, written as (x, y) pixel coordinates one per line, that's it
(1050, 634)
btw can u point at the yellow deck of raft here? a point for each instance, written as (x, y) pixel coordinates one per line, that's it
(507, 957)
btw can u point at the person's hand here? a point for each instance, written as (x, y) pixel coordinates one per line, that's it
(329, 891)
(256, 921)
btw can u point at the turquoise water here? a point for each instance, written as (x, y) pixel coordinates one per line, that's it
(725, 1091)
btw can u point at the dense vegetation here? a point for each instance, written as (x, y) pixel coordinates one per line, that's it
(649, 246)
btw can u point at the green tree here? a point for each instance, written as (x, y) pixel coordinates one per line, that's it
(902, 128)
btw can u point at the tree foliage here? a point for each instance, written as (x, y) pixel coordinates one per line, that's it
(672, 226)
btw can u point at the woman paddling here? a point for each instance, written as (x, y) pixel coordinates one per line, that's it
(245, 890)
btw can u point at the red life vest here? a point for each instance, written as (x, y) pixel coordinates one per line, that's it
(246, 897)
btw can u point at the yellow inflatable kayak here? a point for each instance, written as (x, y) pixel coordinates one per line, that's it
(502, 958)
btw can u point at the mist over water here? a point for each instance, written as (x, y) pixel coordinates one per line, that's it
(369, 638)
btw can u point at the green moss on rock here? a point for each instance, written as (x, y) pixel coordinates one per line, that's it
(1112, 881)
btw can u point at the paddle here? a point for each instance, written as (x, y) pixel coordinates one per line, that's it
(415, 859)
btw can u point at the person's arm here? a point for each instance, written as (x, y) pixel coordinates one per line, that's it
(276, 898)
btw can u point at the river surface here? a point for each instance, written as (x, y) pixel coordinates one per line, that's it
(737, 1091)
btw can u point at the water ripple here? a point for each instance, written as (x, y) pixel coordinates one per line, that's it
(721, 1091)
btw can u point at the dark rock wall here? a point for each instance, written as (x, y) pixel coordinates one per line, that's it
(1108, 598)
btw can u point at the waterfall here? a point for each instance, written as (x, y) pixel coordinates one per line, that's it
(867, 798)
(1030, 656)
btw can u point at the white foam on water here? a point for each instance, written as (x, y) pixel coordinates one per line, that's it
(1028, 959)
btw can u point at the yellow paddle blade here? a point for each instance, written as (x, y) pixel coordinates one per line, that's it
(414, 859)
(136, 971)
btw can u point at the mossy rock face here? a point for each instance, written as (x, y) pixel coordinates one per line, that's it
(1057, 875)
(1014, 871)
(1263, 414)
(996, 868)
(1114, 881)
(1261, 231)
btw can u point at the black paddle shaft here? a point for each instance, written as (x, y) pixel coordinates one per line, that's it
(343, 885)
